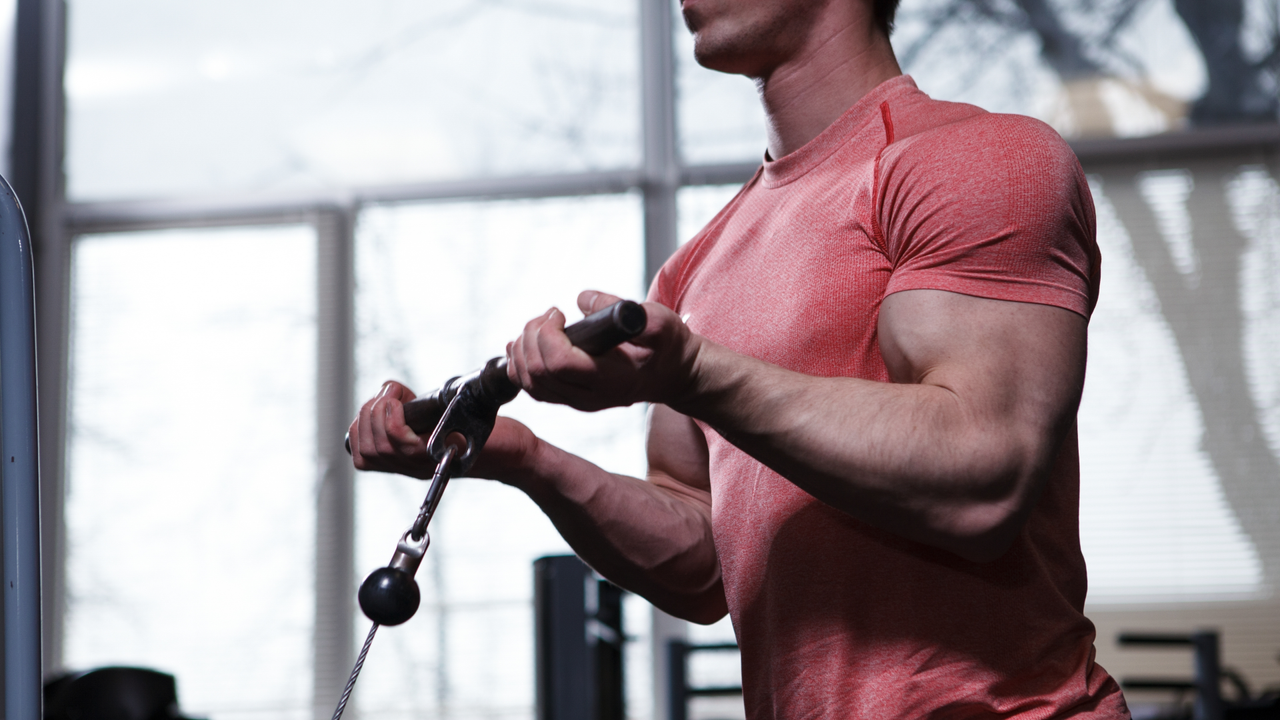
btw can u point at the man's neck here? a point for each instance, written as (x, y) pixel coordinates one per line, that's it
(843, 61)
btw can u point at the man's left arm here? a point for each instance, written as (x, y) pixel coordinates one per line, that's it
(953, 453)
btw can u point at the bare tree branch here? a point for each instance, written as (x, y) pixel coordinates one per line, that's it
(1208, 326)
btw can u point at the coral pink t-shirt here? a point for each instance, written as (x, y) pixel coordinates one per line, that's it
(835, 618)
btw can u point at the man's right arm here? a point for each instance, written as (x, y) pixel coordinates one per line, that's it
(652, 537)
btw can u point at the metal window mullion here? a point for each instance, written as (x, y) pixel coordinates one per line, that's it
(335, 491)
(661, 180)
(53, 328)
(658, 108)
(240, 209)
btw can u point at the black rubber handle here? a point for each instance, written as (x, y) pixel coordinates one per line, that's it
(606, 329)
(596, 334)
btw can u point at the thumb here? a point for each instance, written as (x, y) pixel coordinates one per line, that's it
(397, 391)
(590, 301)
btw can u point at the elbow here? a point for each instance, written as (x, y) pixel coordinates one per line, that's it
(983, 533)
(999, 484)
(988, 522)
(706, 615)
(703, 608)
(988, 546)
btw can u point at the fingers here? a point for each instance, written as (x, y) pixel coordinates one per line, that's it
(362, 443)
(380, 439)
(353, 442)
(393, 389)
(542, 361)
(378, 424)
(542, 351)
(551, 347)
(402, 438)
(590, 301)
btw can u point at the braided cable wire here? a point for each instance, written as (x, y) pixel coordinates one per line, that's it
(355, 673)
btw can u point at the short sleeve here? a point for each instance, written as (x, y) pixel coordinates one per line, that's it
(994, 206)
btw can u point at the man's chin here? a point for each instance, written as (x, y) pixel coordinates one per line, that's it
(722, 57)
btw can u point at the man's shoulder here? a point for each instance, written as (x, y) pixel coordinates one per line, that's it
(933, 130)
(912, 112)
(986, 159)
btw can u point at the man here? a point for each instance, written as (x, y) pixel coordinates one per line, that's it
(862, 433)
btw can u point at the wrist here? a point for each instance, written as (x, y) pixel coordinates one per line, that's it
(554, 477)
(684, 380)
(699, 377)
(531, 474)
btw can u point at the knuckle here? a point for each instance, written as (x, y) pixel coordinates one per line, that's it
(538, 370)
(382, 446)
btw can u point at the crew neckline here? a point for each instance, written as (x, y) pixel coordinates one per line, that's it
(796, 164)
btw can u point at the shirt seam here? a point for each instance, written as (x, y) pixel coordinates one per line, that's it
(887, 118)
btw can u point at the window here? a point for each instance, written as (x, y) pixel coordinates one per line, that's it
(167, 100)
(454, 169)
(430, 306)
(190, 506)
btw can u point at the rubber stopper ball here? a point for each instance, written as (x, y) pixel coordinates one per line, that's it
(389, 596)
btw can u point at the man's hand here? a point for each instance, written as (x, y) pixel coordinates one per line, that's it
(381, 441)
(655, 366)
(651, 537)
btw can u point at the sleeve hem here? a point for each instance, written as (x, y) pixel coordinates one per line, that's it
(1010, 289)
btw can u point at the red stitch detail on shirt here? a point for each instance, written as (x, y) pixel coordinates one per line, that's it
(876, 227)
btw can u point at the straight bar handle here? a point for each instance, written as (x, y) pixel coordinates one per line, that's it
(595, 334)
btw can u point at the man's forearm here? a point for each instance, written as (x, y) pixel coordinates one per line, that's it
(651, 537)
(914, 459)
